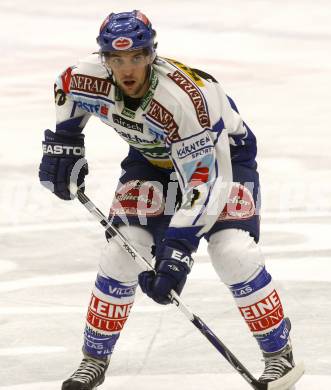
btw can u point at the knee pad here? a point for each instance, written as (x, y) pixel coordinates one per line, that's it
(118, 264)
(235, 256)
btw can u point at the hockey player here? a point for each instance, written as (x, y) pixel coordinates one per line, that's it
(190, 173)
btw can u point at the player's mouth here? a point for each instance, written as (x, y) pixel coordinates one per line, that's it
(129, 83)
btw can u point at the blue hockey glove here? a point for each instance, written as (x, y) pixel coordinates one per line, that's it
(171, 269)
(60, 153)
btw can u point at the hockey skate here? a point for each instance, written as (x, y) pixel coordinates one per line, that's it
(280, 371)
(89, 375)
(277, 365)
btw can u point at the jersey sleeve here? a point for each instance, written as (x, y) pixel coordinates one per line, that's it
(202, 160)
(205, 175)
(70, 118)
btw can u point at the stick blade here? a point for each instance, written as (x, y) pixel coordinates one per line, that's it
(288, 380)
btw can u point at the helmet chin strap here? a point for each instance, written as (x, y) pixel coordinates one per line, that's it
(108, 69)
(149, 66)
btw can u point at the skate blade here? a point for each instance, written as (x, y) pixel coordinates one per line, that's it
(288, 380)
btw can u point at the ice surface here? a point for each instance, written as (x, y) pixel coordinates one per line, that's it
(274, 58)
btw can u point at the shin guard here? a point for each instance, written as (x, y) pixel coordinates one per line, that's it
(109, 308)
(260, 306)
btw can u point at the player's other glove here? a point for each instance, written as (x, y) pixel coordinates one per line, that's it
(173, 264)
(60, 154)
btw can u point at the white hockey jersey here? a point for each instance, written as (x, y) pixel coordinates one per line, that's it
(185, 122)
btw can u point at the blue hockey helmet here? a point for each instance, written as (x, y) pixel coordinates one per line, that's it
(126, 31)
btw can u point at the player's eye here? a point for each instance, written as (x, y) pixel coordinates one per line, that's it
(139, 59)
(116, 61)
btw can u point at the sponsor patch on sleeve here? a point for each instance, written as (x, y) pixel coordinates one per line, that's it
(90, 84)
(194, 147)
(165, 119)
(195, 96)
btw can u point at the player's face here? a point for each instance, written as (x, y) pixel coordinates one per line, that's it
(130, 71)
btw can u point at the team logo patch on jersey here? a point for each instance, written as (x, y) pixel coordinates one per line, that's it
(122, 43)
(240, 204)
(195, 95)
(138, 197)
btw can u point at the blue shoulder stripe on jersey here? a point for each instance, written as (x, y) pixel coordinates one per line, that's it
(232, 104)
(244, 152)
(95, 97)
(218, 128)
(71, 125)
(239, 140)
(241, 290)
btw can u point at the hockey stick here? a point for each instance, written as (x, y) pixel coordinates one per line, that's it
(281, 384)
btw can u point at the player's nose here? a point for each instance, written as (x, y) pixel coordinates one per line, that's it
(127, 72)
(127, 68)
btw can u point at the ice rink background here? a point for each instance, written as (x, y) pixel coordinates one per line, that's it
(274, 59)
